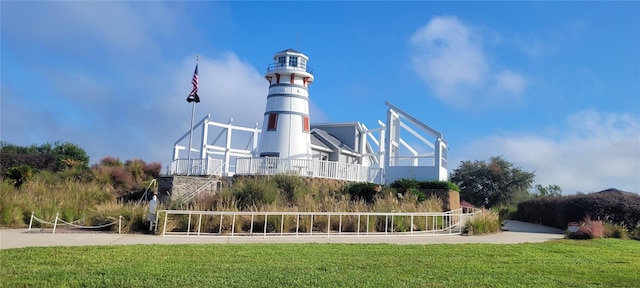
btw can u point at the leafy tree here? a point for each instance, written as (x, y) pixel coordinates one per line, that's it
(56, 157)
(550, 190)
(68, 151)
(492, 183)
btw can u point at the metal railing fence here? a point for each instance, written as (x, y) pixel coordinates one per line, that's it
(308, 168)
(205, 166)
(329, 224)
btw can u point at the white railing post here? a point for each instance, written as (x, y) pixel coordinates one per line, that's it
(189, 224)
(220, 227)
(265, 225)
(386, 224)
(233, 225)
(411, 224)
(282, 224)
(367, 224)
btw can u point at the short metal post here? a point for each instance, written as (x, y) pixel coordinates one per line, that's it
(120, 224)
(251, 228)
(164, 227)
(55, 224)
(31, 220)
(156, 222)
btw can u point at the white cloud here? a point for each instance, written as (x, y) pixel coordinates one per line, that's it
(509, 82)
(448, 56)
(592, 151)
(113, 100)
(121, 27)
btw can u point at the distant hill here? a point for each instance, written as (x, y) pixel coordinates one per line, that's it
(616, 191)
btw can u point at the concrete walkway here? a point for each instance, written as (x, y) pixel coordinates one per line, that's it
(518, 232)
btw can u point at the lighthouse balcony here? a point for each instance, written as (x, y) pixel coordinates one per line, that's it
(289, 67)
(308, 168)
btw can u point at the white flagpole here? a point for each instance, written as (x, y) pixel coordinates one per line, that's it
(193, 107)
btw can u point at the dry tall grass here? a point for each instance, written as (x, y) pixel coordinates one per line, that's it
(46, 195)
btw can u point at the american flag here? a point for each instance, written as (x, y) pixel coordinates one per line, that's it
(193, 96)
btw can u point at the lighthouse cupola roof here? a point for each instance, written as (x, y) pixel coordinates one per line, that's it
(290, 61)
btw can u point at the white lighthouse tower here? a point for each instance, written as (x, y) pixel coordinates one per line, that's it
(285, 130)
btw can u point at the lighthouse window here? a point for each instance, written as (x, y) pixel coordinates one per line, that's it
(303, 63)
(273, 121)
(293, 61)
(282, 60)
(305, 124)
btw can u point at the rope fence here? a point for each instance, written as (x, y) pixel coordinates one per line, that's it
(57, 222)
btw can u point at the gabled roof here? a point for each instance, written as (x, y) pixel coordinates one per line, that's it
(358, 125)
(329, 139)
(317, 142)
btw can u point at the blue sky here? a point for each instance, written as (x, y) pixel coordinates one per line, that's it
(554, 87)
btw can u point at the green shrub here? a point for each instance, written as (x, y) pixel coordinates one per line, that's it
(403, 185)
(438, 185)
(419, 194)
(291, 187)
(506, 212)
(257, 192)
(486, 222)
(615, 206)
(362, 190)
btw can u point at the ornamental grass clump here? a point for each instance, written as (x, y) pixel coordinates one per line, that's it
(614, 230)
(589, 229)
(485, 222)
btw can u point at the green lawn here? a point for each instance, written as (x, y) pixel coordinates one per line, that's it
(565, 263)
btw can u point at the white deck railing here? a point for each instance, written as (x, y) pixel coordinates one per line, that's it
(329, 224)
(207, 166)
(308, 168)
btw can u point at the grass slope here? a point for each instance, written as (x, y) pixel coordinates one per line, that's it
(565, 263)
